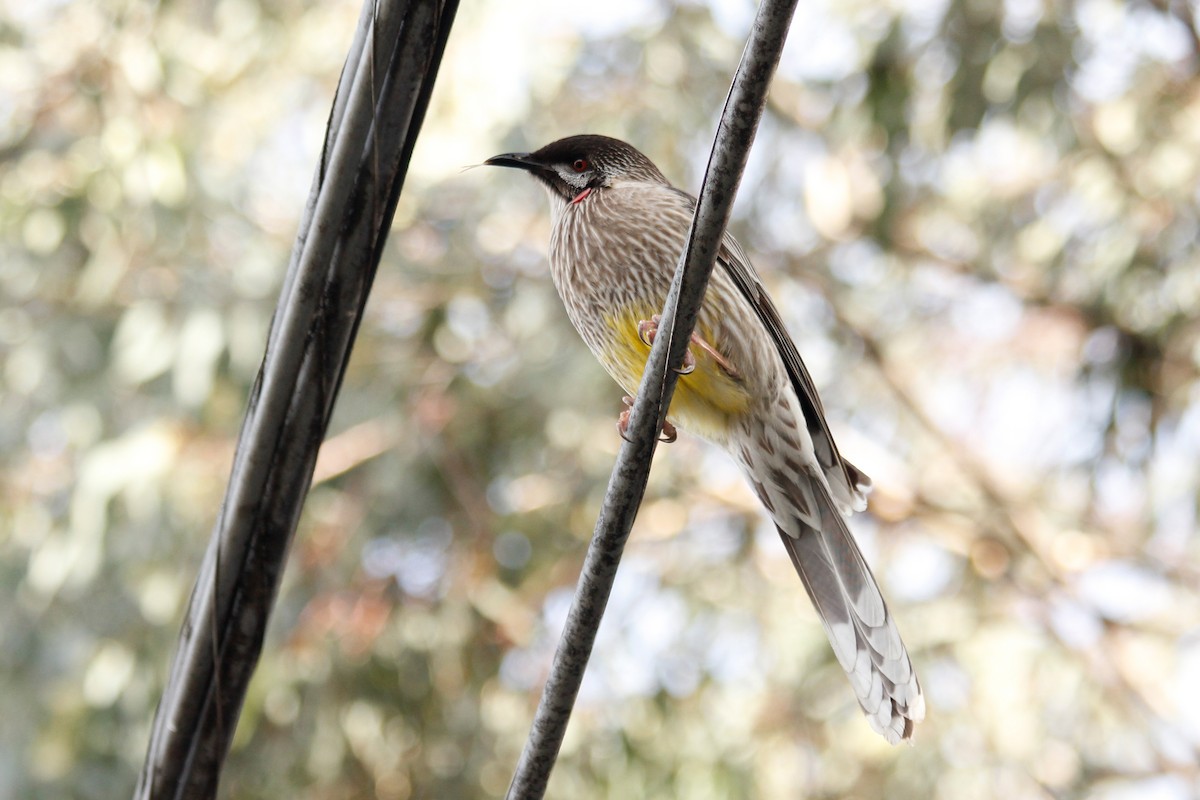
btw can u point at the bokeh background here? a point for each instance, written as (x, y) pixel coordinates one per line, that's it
(979, 220)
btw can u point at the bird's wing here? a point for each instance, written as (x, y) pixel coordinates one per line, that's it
(732, 258)
(737, 266)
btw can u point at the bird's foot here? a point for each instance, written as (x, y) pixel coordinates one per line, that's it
(669, 434)
(648, 328)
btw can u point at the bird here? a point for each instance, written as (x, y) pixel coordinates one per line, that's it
(618, 229)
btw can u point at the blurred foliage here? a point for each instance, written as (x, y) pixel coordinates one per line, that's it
(980, 220)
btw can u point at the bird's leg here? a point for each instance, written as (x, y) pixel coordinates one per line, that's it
(722, 362)
(647, 329)
(669, 434)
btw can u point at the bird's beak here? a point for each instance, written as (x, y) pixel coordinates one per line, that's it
(529, 163)
(519, 160)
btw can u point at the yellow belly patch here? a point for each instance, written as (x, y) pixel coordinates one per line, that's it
(704, 399)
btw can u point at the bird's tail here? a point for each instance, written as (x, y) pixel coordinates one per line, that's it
(840, 584)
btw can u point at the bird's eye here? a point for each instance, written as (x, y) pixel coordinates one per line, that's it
(580, 165)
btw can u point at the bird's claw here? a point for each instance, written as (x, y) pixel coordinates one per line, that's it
(669, 433)
(648, 329)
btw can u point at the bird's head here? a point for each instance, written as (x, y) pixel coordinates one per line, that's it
(571, 168)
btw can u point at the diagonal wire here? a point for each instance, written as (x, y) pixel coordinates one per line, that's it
(377, 112)
(735, 132)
